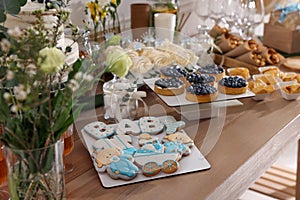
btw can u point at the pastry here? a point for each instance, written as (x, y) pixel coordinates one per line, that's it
(99, 130)
(290, 76)
(253, 57)
(266, 78)
(194, 78)
(273, 71)
(239, 71)
(213, 70)
(151, 125)
(173, 72)
(201, 93)
(169, 86)
(233, 85)
(260, 87)
(116, 165)
(292, 88)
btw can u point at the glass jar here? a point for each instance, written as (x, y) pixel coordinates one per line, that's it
(164, 6)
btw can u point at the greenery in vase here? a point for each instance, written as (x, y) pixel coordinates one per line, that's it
(40, 98)
(100, 11)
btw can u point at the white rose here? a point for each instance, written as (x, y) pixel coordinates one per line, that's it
(51, 60)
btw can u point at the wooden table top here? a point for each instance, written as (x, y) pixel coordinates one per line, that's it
(240, 145)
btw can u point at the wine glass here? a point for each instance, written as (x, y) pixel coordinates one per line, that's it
(201, 10)
(230, 14)
(68, 139)
(256, 14)
(216, 10)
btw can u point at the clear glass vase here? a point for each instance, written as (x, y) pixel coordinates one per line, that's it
(36, 174)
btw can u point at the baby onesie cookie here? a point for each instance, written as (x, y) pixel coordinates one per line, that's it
(179, 137)
(127, 126)
(118, 141)
(173, 127)
(116, 166)
(99, 130)
(151, 125)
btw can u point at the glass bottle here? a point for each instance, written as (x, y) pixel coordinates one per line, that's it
(165, 6)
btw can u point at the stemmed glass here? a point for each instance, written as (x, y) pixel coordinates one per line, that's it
(68, 138)
(256, 14)
(217, 9)
(230, 13)
(202, 9)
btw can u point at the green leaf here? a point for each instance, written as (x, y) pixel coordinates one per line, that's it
(2, 16)
(10, 6)
(76, 67)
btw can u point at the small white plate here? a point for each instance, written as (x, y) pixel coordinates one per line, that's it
(286, 95)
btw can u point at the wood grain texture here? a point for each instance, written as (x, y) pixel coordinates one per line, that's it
(240, 145)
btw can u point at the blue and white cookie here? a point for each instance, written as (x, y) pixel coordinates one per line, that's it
(99, 130)
(123, 142)
(179, 137)
(127, 126)
(151, 125)
(173, 127)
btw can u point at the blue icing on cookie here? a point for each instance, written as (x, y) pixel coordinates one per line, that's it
(151, 125)
(99, 130)
(129, 151)
(176, 147)
(172, 127)
(124, 167)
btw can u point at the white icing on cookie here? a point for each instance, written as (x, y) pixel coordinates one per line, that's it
(173, 127)
(118, 141)
(127, 126)
(151, 125)
(99, 130)
(159, 158)
(146, 138)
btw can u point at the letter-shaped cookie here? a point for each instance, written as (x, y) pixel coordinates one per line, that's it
(151, 125)
(173, 127)
(127, 126)
(99, 130)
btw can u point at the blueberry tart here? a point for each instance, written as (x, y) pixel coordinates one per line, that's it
(213, 70)
(169, 86)
(233, 85)
(194, 78)
(173, 72)
(201, 93)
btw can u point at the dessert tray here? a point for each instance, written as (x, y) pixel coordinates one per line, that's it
(193, 162)
(180, 100)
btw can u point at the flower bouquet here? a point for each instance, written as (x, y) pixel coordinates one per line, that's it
(40, 98)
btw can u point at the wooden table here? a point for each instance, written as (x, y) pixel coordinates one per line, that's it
(240, 145)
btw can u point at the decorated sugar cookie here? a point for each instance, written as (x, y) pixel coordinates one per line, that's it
(146, 138)
(182, 149)
(173, 127)
(151, 125)
(123, 142)
(179, 137)
(99, 130)
(127, 126)
(117, 166)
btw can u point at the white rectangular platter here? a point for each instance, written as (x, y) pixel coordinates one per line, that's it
(179, 100)
(191, 163)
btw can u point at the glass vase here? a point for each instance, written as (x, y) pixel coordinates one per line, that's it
(36, 174)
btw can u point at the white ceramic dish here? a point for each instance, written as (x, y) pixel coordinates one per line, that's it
(191, 163)
(179, 100)
(286, 95)
(263, 69)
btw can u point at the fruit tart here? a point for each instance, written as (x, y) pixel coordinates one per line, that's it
(201, 93)
(169, 86)
(233, 85)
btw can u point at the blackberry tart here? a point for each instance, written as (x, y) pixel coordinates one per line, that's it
(214, 70)
(173, 72)
(194, 78)
(169, 86)
(201, 93)
(233, 85)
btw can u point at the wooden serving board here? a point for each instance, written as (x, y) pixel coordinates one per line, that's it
(231, 62)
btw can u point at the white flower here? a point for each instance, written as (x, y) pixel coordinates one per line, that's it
(78, 75)
(10, 75)
(118, 62)
(14, 109)
(73, 85)
(5, 45)
(16, 32)
(6, 96)
(88, 77)
(31, 69)
(12, 57)
(51, 60)
(20, 93)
